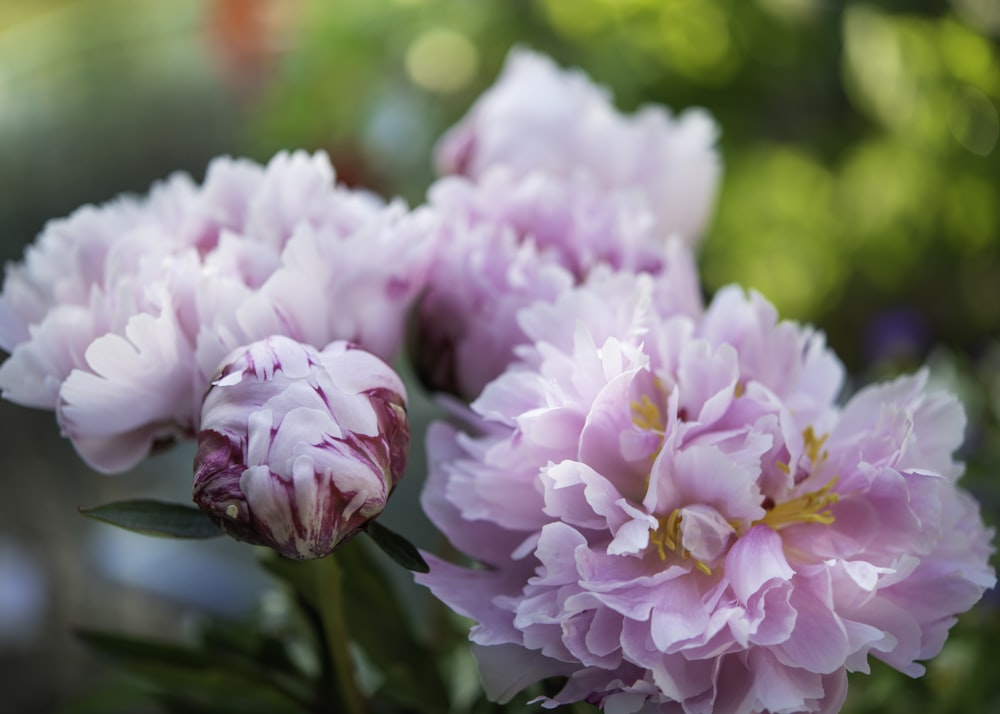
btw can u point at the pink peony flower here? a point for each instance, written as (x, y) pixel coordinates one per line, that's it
(556, 183)
(507, 242)
(538, 118)
(467, 321)
(120, 314)
(299, 448)
(675, 515)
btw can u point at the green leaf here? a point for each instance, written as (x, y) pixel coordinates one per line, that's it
(378, 623)
(190, 679)
(382, 627)
(119, 693)
(156, 518)
(402, 551)
(250, 642)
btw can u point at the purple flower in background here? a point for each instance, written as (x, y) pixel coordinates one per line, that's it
(556, 183)
(675, 515)
(538, 118)
(299, 448)
(899, 335)
(120, 314)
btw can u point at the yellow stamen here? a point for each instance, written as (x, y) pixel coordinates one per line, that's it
(739, 390)
(646, 415)
(814, 446)
(808, 508)
(667, 538)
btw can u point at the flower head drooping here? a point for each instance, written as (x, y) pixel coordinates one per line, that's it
(299, 448)
(120, 314)
(676, 515)
(538, 204)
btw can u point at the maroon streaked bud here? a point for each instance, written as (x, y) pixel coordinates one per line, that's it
(298, 447)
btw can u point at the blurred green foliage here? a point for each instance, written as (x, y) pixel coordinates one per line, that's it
(861, 189)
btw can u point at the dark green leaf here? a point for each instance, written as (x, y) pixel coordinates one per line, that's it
(117, 694)
(186, 677)
(240, 640)
(402, 551)
(156, 518)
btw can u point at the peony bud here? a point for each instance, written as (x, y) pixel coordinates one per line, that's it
(299, 448)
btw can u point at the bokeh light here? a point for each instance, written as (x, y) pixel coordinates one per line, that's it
(441, 60)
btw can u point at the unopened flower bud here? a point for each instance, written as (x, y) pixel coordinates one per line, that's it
(298, 447)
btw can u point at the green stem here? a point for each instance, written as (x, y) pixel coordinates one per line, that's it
(330, 596)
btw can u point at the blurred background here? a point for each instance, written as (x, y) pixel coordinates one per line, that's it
(861, 192)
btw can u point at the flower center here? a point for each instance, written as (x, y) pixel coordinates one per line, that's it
(811, 507)
(667, 539)
(647, 416)
(813, 446)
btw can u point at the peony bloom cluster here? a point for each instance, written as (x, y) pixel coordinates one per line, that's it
(669, 507)
(675, 514)
(120, 314)
(551, 182)
(298, 447)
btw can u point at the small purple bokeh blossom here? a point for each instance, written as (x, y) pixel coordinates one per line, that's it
(299, 448)
(675, 514)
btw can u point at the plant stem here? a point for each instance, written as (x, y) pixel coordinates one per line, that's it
(330, 597)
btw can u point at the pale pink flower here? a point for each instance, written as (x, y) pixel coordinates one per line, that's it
(539, 118)
(120, 314)
(468, 320)
(299, 448)
(675, 514)
(554, 184)
(507, 242)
